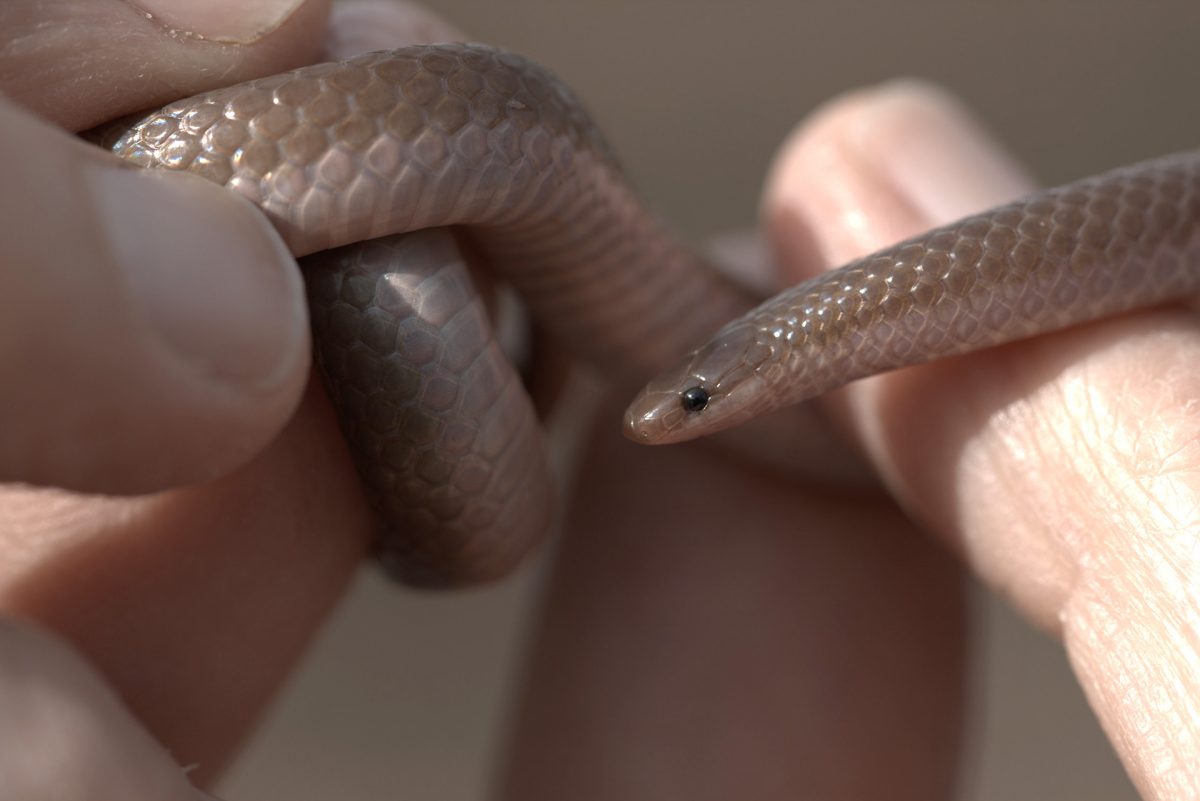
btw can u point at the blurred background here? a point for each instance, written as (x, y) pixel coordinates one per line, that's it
(404, 695)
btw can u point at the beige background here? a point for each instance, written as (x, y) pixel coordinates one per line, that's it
(404, 694)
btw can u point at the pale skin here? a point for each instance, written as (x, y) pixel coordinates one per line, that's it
(675, 659)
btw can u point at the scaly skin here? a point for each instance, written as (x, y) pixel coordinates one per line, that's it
(1124, 240)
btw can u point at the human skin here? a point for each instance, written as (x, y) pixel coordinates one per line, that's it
(1060, 471)
(1063, 470)
(687, 649)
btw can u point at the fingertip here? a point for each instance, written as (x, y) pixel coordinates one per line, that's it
(877, 165)
(939, 155)
(153, 329)
(823, 203)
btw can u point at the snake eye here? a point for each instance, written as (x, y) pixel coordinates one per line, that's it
(694, 399)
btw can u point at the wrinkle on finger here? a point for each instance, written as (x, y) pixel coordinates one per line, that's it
(79, 63)
(1079, 499)
(1065, 468)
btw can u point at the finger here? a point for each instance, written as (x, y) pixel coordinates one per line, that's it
(66, 736)
(1065, 468)
(136, 310)
(196, 604)
(822, 206)
(713, 632)
(81, 62)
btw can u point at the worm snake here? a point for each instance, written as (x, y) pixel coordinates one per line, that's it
(1108, 244)
(376, 169)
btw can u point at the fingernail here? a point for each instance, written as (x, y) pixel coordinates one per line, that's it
(934, 152)
(235, 21)
(206, 271)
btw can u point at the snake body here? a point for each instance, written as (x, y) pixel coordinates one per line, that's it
(1112, 243)
(349, 159)
(423, 138)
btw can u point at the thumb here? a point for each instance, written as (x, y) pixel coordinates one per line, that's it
(152, 326)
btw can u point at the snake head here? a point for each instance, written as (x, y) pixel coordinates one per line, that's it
(711, 389)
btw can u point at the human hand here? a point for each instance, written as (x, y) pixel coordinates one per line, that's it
(141, 354)
(725, 642)
(754, 638)
(1059, 469)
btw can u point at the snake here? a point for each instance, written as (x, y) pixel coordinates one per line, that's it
(1104, 245)
(382, 171)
